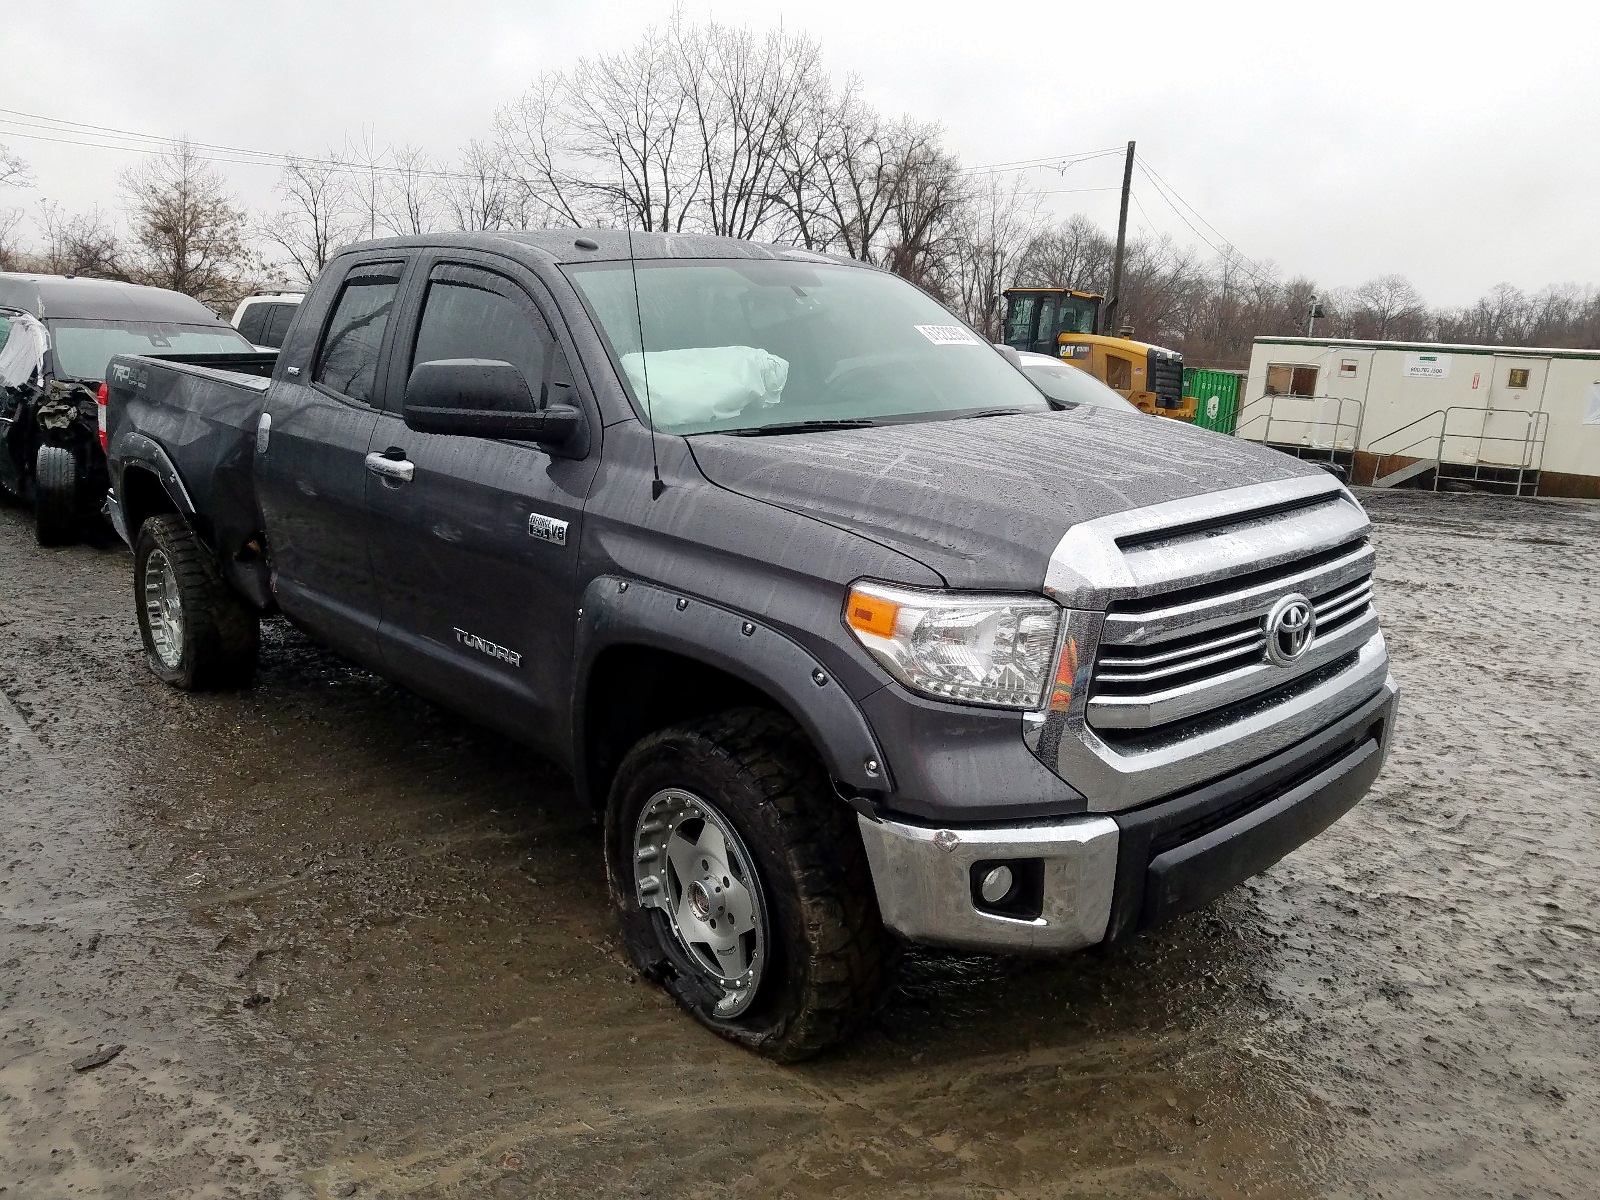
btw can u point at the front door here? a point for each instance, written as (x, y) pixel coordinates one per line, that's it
(311, 477)
(476, 554)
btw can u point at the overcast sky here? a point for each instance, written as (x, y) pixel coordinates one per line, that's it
(1453, 143)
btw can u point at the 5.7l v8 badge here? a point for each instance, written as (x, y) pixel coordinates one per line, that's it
(547, 529)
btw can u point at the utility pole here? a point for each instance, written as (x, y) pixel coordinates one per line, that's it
(1314, 311)
(1114, 305)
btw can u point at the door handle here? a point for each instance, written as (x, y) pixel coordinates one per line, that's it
(399, 469)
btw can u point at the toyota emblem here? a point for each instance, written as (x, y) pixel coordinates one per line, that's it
(1290, 624)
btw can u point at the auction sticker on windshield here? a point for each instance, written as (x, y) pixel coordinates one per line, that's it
(948, 335)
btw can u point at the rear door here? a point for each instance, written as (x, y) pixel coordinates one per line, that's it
(311, 473)
(476, 554)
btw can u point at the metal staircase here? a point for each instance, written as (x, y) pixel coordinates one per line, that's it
(1445, 449)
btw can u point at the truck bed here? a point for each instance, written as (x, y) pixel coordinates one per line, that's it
(198, 423)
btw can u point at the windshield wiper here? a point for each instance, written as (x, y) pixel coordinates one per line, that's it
(991, 412)
(802, 427)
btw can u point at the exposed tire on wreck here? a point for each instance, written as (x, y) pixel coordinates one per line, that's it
(55, 496)
(743, 886)
(198, 634)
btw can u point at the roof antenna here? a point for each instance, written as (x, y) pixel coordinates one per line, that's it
(656, 486)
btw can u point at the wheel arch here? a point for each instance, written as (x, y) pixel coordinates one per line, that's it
(147, 484)
(649, 658)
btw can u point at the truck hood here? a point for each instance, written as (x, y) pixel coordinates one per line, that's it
(984, 501)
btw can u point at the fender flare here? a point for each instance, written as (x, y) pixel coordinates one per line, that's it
(142, 451)
(620, 612)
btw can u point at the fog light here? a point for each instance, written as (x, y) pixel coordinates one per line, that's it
(996, 885)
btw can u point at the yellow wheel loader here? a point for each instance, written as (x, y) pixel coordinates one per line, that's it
(1062, 322)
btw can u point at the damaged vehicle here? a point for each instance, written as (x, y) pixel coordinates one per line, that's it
(57, 333)
(846, 631)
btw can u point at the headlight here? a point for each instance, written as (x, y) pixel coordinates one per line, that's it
(974, 649)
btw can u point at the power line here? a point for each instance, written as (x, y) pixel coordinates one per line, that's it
(108, 137)
(1061, 161)
(1252, 269)
(1247, 264)
(1065, 191)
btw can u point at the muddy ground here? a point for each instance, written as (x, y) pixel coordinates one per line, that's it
(355, 947)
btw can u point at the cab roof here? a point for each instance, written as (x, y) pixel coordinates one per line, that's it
(67, 296)
(610, 245)
(1055, 291)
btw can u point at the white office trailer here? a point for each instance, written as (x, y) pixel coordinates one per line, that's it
(1525, 421)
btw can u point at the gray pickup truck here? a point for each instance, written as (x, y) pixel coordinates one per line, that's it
(849, 632)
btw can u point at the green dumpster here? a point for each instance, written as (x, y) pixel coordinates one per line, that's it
(1216, 395)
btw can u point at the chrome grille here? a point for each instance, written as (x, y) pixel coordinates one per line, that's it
(1179, 655)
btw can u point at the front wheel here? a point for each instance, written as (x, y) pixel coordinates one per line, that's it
(743, 886)
(55, 496)
(198, 633)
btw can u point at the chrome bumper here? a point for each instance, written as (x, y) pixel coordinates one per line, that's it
(925, 878)
(924, 883)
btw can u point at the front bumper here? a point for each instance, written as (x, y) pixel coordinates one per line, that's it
(1102, 877)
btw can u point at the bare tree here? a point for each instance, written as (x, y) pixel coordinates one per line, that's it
(80, 244)
(314, 220)
(366, 179)
(1387, 307)
(189, 234)
(13, 171)
(412, 196)
(999, 223)
(10, 239)
(1075, 254)
(480, 193)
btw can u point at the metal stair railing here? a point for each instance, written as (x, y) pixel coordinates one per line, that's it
(1338, 423)
(1535, 432)
(1377, 462)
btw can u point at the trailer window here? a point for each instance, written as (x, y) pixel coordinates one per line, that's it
(1287, 379)
(1519, 377)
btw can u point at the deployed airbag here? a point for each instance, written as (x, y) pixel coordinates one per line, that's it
(22, 355)
(705, 383)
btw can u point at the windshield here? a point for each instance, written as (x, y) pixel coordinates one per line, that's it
(83, 348)
(740, 345)
(1070, 385)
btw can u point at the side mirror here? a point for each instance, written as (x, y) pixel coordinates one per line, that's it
(478, 397)
(1010, 354)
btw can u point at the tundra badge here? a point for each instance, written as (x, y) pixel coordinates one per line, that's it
(547, 529)
(484, 646)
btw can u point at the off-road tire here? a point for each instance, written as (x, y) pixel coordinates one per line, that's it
(55, 496)
(830, 961)
(221, 633)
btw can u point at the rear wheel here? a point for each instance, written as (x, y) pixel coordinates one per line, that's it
(743, 885)
(55, 496)
(198, 633)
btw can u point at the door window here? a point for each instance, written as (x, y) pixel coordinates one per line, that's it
(470, 313)
(1047, 322)
(1019, 321)
(348, 359)
(276, 326)
(253, 321)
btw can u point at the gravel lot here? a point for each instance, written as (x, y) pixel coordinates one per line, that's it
(352, 946)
